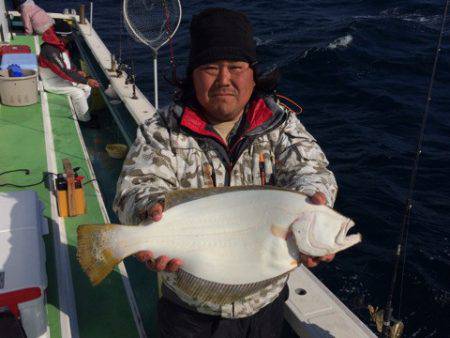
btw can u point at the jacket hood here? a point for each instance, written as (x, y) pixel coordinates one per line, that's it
(50, 37)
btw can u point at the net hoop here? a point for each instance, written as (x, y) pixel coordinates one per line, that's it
(131, 29)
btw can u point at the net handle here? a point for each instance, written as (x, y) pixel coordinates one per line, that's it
(155, 78)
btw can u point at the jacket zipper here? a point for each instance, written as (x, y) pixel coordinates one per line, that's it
(231, 161)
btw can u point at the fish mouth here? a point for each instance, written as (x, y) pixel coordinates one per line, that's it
(343, 238)
(348, 225)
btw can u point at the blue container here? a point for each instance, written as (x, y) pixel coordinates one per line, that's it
(15, 71)
(25, 61)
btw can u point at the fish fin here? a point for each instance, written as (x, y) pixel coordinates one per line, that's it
(218, 293)
(176, 197)
(94, 251)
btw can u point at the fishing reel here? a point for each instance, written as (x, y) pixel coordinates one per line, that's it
(396, 327)
(134, 96)
(130, 78)
(120, 69)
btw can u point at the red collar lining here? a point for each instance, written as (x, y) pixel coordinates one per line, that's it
(196, 122)
(257, 114)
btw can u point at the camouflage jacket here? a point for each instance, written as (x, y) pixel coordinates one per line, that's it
(178, 149)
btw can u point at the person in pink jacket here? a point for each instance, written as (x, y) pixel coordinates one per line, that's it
(34, 18)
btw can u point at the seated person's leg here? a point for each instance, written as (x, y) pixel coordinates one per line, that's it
(87, 90)
(78, 96)
(80, 104)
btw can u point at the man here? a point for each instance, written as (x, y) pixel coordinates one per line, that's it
(59, 74)
(224, 132)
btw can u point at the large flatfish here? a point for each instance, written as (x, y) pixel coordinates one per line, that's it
(233, 241)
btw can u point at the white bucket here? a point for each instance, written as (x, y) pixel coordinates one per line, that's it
(19, 91)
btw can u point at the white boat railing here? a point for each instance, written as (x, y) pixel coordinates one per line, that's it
(5, 34)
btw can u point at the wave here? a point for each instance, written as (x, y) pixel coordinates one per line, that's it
(261, 42)
(395, 13)
(342, 42)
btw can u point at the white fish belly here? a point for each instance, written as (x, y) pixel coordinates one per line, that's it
(229, 238)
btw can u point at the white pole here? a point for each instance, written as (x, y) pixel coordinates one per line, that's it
(4, 23)
(91, 18)
(155, 77)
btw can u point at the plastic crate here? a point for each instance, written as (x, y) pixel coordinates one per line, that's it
(14, 49)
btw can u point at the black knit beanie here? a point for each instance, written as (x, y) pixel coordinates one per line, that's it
(221, 34)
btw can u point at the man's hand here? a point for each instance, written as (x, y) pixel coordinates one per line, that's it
(93, 83)
(308, 261)
(162, 263)
(81, 73)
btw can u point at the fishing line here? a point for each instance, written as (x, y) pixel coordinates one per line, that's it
(290, 101)
(401, 247)
(90, 181)
(120, 34)
(129, 57)
(171, 49)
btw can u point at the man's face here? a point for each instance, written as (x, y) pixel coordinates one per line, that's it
(223, 88)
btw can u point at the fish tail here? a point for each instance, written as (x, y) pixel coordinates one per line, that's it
(95, 250)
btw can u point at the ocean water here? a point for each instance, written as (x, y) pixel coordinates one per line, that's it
(361, 71)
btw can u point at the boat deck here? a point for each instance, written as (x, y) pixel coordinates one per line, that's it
(38, 137)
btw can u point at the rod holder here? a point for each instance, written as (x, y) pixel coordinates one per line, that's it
(82, 15)
(113, 63)
(134, 96)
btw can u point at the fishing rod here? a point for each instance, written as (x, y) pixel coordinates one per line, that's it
(395, 330)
